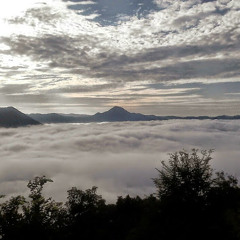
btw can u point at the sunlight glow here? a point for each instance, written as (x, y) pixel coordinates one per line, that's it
(12, 8)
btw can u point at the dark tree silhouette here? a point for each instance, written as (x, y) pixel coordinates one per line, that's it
(189, 193)
(84, 209)
(185, 177)
(192, 202)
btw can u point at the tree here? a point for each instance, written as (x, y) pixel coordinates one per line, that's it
(186, 177)
(182, 187)
(44, 217)
(85, 212)
(196, 202)
(83, 202)
(224, 207)
(11, 217)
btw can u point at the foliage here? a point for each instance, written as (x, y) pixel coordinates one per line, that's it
(192, 202)
(186, 176)
(82, 202)
(194, 198)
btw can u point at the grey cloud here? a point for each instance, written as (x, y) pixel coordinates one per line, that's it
(64, 52)
(22, 95)
(177, 71)
(202, 68)
(55, 100)
(192, 21)
(10, 72)
(120, 158)
(219, 90)
(210, 90)
(14, 88)
(88, 88)
(171, 52)
(61, 51)
(23, 98)
(46, 47)
(189, 106)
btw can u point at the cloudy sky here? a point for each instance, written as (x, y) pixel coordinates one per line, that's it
(119, 158)
(162, 57)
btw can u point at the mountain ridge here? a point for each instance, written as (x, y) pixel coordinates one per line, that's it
(12, 117)
(114, 114)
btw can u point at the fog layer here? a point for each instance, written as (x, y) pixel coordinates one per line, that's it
(119, 158)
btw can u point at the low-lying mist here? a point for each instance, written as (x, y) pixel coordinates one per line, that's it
(118, 158)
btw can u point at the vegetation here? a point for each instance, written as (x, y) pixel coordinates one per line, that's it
(192, 202)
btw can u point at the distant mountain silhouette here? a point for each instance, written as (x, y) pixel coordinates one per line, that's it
(50, 118)
(11, 117)
(115, 114)
(120, 114)
(59, 118)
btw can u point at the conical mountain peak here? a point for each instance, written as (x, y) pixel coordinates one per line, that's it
(11, 117)
(117, 109)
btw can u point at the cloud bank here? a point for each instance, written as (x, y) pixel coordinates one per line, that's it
(119, 158)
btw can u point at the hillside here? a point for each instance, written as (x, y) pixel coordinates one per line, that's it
(120, 114)
(11, 117)
(115, 114)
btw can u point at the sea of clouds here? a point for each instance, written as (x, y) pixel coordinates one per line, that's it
(120, 158)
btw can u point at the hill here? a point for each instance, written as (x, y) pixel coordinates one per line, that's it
(120, 114)
(115, 114)
(11, 117)
(59, 118)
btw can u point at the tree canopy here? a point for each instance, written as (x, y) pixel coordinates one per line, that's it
(186, 176)
(192, 201)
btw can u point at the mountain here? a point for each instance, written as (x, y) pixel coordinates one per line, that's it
(120, 114)
(59, 118)
(11, 117)
(115, 114)
(49, 118)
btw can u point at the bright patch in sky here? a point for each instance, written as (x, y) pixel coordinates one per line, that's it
(12, 8)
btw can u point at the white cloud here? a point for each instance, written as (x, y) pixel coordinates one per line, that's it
(182, 41)
(119, 158)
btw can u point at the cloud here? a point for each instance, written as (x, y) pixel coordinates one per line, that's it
(119, 158)
(34, 16)
(14, 88)
(64, 52)
(159, 42)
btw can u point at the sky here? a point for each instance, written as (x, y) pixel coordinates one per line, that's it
(119, 158)
(160, 57)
